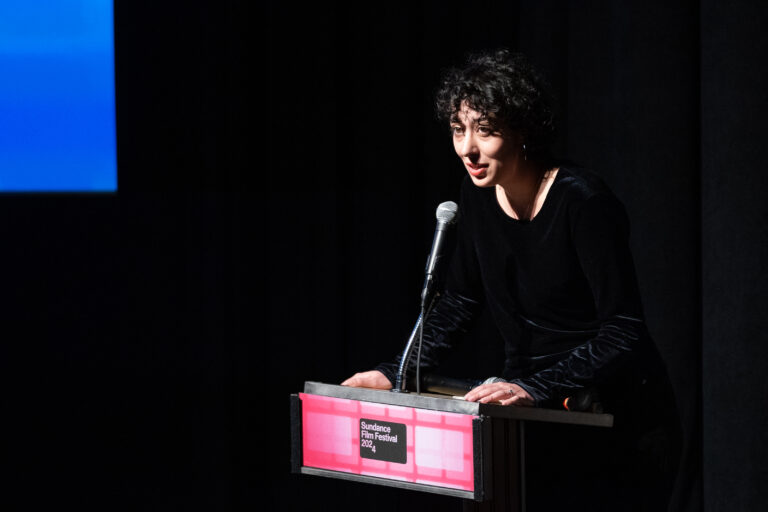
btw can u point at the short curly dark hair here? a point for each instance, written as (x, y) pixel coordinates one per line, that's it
(505, 87)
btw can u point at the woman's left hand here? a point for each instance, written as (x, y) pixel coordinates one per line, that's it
(505, 393)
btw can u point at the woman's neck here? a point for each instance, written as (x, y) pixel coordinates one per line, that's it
(522, 196)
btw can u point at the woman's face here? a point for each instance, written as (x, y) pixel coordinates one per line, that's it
(490, 157)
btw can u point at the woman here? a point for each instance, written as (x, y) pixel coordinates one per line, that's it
(544, 247)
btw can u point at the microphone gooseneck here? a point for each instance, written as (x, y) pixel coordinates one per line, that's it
(446, 216)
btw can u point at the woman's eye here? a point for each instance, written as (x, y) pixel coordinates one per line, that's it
(484, 130)
(456, 130)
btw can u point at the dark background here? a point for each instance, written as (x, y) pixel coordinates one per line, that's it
(279, 167)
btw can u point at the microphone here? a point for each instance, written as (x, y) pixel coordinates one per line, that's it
(446, 216)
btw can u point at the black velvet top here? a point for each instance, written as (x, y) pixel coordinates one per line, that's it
(561, 288)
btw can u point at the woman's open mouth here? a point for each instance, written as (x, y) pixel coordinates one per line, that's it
(477, 170)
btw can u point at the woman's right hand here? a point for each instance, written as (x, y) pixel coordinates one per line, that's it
(373, 379)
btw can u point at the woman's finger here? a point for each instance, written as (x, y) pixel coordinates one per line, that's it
(495, 395)
(484, 390)
(514, 399)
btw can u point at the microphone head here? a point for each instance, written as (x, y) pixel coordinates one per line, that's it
(446, 212)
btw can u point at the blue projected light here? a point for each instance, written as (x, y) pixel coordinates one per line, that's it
(57, 96)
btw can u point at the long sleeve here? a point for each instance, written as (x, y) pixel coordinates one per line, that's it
(599, 231)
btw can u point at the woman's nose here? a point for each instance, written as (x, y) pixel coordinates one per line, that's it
(468, 146)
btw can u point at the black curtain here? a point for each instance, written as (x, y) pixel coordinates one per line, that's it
(279, 168)
(733, 253)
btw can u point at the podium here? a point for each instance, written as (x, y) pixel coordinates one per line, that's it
(423, 442)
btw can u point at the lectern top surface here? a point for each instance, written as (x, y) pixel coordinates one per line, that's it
(449, 404)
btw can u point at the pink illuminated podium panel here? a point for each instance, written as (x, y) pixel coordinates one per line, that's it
(402, 440)
(388, 441)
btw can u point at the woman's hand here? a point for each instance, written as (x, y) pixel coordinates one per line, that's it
(505, 393)
(373, 379)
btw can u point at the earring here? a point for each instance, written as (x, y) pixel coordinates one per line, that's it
(525, 154)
